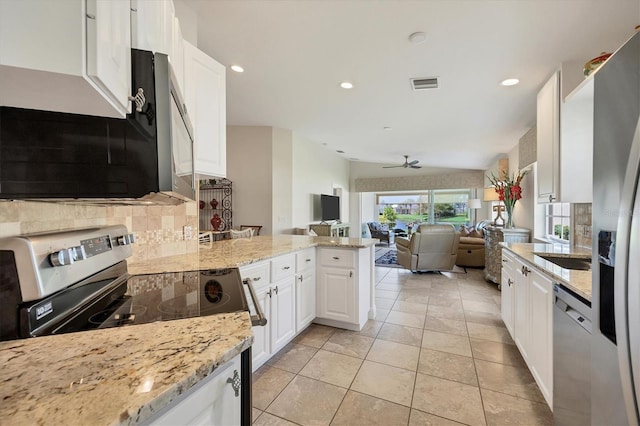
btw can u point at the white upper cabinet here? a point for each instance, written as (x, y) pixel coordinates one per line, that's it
(576, 145)
(205, 93)
(176, 56)
(548, 144)
(152, 25)
(69, 56)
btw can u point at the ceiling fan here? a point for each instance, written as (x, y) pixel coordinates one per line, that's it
(407, 164)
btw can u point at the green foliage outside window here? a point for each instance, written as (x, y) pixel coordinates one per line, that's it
(561, 231)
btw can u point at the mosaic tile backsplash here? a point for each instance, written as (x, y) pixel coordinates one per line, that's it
(582, 225)
(159, 230)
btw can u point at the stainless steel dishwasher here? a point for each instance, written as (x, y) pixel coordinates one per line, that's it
(571, 358)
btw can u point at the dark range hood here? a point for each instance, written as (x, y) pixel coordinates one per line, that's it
(52, 156)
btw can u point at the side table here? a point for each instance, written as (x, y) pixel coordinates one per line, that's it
(493, 250)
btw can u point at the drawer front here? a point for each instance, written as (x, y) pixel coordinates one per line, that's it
(283, 267)
(340, 258)
(257, 272)
(305, 259)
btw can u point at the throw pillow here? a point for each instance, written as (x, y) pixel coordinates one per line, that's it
(477, 233)
(464, 232)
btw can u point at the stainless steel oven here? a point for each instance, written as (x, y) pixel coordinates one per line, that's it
(77, 280)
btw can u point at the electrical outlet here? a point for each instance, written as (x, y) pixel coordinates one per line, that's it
(188, 232)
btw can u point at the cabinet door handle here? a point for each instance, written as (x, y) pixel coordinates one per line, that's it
(505, 260)
(350, 274)
(336, 258)
(256, 278)
(235, 382)
(308, 260)
(276, 289)
(286, 267)
(509, 281)
(269, 293)
(551, 198)
(300, 278)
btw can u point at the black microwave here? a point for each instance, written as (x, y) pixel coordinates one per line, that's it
(147, 157)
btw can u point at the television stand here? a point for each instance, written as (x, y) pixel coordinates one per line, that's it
(324, 229)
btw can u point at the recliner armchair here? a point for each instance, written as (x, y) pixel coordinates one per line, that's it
(378, 232)
(430, 248)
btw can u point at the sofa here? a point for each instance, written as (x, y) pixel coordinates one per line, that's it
(430, 248)
(471, 248)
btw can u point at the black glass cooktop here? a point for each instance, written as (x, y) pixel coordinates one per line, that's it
(138, 299)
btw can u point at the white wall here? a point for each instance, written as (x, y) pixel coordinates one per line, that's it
(316, 170)
(282, 181)
(524, 212)
(249, 167)
(188, 21)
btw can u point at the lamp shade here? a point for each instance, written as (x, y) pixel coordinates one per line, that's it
(475, 203)
(490, 194)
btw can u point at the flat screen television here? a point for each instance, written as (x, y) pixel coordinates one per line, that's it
(330, 207)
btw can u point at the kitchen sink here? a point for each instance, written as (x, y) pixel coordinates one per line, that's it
(574, 263)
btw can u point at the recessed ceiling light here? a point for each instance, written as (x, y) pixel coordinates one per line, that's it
(346, 85)
(510, 82)
(237, 68)
(417, 37)
(339, 151)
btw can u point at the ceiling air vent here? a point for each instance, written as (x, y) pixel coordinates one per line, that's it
(424, 83)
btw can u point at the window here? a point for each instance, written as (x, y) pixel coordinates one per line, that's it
(557, 219)
(449, 206)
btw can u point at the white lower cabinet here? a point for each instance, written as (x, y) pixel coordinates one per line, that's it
(508, 291)
(541, 333)
(283, 313)
(344, 287)
(275, 286)
(305, 288)
(305, 299)
(213, 401)
(527, 311)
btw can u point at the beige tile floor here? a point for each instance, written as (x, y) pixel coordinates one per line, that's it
(437, 354)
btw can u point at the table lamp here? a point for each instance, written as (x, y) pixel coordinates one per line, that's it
(475, 204)
(490, 194)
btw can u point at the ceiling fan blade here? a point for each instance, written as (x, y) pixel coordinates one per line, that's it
(415, 167)
(411, 163)
(391, 167)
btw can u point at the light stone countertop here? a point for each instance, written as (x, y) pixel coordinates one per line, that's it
(577, 281)
(117, 375)
(124, 375)
(243, 251)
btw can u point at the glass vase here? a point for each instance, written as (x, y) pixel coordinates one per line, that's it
(508, 221)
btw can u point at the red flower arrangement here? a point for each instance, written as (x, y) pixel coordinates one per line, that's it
(509, 191)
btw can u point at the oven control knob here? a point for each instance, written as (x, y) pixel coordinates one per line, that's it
(78, 253)
(62, 257)
(126, 239)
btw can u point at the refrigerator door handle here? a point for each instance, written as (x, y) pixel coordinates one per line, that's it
(627, 282)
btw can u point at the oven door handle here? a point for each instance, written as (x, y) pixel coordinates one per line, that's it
(258, 319)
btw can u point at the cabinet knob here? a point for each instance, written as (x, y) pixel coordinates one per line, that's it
(235, 382)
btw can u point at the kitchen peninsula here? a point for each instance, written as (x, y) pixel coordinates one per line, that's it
(126, 375)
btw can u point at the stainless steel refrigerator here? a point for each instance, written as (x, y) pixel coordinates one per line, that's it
(615, 371)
